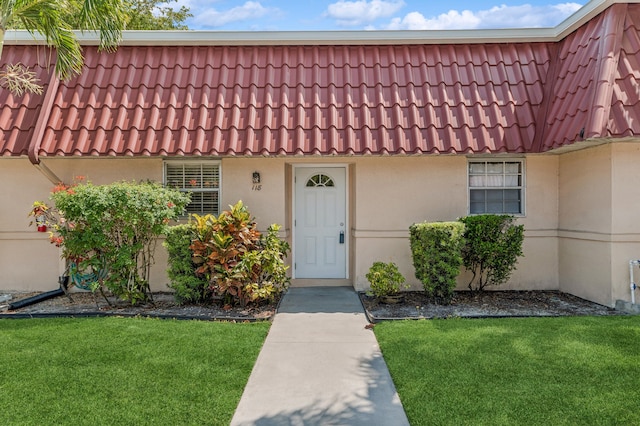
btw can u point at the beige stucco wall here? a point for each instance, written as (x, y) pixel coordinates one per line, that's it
(581, 213)
(393, 193)
(106, 170)
(27, 260)
(585, 223)
(265, 201)
(599, 231)
(538, 269)
(19, 243)
(625, 224)
(386, 196)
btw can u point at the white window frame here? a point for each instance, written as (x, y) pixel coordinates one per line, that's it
(503, 186)
(184, 187)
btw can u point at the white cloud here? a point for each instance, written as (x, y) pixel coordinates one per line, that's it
(358, 12)
(450, 20)
(212, 18)
(524, 16)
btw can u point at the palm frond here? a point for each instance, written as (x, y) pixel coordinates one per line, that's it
(19, 79)
(50, 18)
(44, 16)
(109, 17)
(6, 13)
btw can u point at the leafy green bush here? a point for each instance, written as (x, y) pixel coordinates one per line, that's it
(240, 264)
(187, 286)
(436, 249)
(265, 267)
(385, 279)
(493, 245)
(108, 232)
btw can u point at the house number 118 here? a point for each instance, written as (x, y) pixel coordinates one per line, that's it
(255, 179)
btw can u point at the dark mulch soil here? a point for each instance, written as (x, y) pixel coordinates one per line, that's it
(414, 306)
(163, 306)
(467, 304)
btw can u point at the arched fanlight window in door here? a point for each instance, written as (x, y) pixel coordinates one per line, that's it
(320, 181)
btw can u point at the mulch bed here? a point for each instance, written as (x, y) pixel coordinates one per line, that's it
(415, 305)
(493, 304)
(83, 304)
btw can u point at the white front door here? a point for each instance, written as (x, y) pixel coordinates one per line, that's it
(320, 222)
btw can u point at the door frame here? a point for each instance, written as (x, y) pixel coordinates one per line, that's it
(294, 212)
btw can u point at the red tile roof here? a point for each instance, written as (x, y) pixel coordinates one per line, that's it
(339, 100)
(624, 117)
(587, 76)
(19, 114)
(300, 100)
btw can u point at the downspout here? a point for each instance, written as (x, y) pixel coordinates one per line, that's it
(63, 280)
(41, 125)
(43, 117)
(33, 152)
(632, 284)
(47, 172)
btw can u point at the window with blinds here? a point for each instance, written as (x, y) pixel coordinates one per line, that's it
(496, 187)
(201, 179)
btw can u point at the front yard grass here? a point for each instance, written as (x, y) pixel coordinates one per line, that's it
(103, 371)
(526, 371)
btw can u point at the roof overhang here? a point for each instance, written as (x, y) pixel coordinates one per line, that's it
(590, 143)
(272, 38)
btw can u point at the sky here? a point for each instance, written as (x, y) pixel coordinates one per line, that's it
(300, 15)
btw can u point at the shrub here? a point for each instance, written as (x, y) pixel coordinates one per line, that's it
(385, 279)
(240, 264)
(187, 286)
(493, 245)
(436, 251)
(264, 267)
(108, 232)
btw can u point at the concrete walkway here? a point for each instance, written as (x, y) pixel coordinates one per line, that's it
(320, 366)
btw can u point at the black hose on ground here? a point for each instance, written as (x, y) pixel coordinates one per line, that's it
(35, 299)
(63, 280)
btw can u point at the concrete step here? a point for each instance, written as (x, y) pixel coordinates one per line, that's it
(316, 282)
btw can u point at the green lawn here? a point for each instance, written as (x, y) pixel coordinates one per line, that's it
(105, 371)
(529, 371)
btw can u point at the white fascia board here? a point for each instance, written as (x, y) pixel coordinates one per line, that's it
(289, 38)
(231, 38)
(584, 15)
(245, 38)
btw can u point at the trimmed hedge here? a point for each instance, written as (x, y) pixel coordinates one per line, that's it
(436, 250)
(493, 246)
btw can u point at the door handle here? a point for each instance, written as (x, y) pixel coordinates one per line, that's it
(341, 237)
